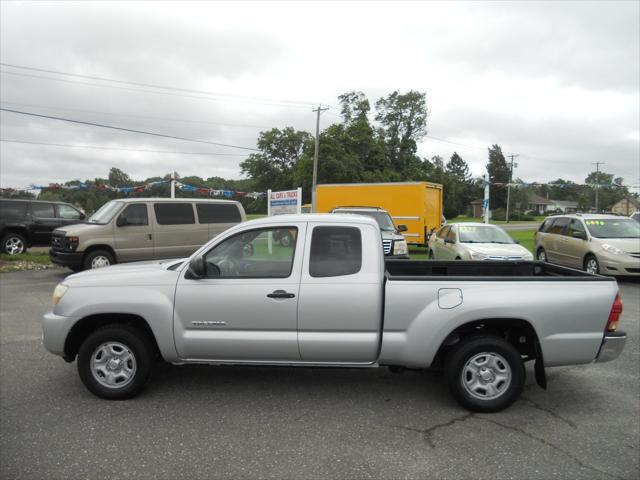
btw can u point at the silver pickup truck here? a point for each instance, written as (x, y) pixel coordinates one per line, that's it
(329, 299)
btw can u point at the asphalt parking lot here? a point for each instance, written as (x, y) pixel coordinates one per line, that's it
(245, 422)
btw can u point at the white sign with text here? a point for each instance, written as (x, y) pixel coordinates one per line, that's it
(281, 203)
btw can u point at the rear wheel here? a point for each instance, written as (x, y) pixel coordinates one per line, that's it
(485, 374)
(14, 244)
(591, 265)
(115, 362)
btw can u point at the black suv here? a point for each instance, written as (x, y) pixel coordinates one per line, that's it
(25, 223)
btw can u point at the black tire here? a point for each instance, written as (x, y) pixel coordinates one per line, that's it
(137, 344)
(14, 243)
(591, 264)
(458, 372)
(96, 255)
(542, 253)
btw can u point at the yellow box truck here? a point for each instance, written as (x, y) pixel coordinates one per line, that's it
(418, 205)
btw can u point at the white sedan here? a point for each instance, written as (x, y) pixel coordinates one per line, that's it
(475, 241)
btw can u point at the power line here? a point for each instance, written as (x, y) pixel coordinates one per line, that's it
(142, 132)
(151, 85)
(99, 147)
(200, 97)
(50, 107)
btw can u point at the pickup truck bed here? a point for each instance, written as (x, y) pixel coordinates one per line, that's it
(493, 271)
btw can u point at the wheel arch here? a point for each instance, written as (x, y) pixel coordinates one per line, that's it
(89, 324)
(517, 331)
(93, 248)
(19, 230)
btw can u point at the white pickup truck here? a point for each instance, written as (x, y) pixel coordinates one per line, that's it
(329, 299)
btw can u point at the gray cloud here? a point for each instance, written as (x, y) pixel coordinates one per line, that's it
(518, 74)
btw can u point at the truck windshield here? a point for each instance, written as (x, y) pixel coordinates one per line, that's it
(613, 228)
(483, 234)
(105, 213)
(384, 220)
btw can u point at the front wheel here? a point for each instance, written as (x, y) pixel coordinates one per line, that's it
(542, 255)
(98, 259)
(591, 265)
(115, 362)
(485, 374)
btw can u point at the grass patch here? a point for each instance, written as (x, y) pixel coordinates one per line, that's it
(25, 261)
(524, 237)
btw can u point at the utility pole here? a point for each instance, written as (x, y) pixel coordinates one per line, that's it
(597, 164)
(315, 158)
(173, 184)
(511, 165)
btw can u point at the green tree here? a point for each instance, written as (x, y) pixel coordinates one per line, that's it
(280, 151)
(403, 122)
(458, 191)
(117, 178)
(498, 177)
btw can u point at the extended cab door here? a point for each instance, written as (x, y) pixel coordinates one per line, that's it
(340, 305)
(246, 307)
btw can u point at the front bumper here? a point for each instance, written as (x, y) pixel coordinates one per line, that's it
(611, 347)
(66, 259)
(55, 329)
(619, 265)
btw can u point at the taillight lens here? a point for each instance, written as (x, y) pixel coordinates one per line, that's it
(614, 316)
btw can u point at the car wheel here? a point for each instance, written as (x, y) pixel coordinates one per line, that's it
(98, 259)
(115, 362)
(541, 255)
(14, 244)
(591, 265)
(285, 239)
(485, 374)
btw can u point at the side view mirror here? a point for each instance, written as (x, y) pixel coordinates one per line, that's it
(448, 240)
(196, 268)
(82, 216)
(121, 221)
(402, 228)
(580, 235)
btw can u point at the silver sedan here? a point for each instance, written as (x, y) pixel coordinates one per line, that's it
(475, 241)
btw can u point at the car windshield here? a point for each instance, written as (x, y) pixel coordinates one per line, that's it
(613, 228)
(105, 213)
(383, 218)
(483, 234)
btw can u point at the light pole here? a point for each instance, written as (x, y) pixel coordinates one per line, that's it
(314, 180)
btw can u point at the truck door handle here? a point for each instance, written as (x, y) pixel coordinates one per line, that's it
(280, 294)
(150, 236)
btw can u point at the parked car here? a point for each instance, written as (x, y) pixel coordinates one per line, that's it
(636, 216)
(605, 244)
(133, 229)
(394, 244)
(475, 241)
(27, 223)
(330, 299)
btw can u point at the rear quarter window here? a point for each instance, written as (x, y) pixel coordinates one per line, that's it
(335, 251)
(218, 213)
(174, 213)
(13, 210)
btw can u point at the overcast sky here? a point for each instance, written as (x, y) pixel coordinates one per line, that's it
(557, 83)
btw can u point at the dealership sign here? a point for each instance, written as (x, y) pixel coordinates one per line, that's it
(281, 203)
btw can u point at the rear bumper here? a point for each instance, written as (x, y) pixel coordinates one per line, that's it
(66, 259)
(611, 347)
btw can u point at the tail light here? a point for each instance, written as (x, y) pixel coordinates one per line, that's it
(614, 315)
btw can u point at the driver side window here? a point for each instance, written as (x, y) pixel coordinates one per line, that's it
(263, 253)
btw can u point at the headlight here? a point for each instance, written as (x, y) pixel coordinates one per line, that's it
(477, 255)
(611, 249)
(527, 256)
(72, 243)
(58, 293)
(400, 247)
